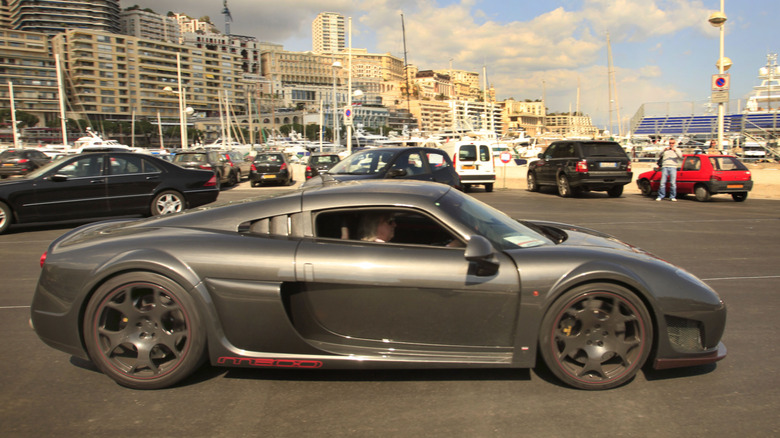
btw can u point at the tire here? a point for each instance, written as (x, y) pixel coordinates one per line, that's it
(564, 188)
(596, 336)
(239, 177)
(737, 197)
(489, 187)
(466, 188)
(615, 191)
(232, 179)
(644, 187)
(254, 184)
(167, 202)
(143, 330)
(533, 186)
(6, 217)
(702, 193)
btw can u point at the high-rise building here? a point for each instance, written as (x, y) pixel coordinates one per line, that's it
(145, 24)
(327, 33)
(54, 16)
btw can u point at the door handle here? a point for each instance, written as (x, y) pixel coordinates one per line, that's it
(97, 181)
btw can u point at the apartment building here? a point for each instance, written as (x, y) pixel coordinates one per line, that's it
(114, 76)
(142, 23)
(567, 125)
(327, 33)
(54, 16)
(525, 116)
(25, 61)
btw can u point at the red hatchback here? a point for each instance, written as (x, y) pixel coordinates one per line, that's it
(704, 175)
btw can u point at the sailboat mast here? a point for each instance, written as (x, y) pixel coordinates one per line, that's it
(61, 92)
(609, 81)
(406, 66)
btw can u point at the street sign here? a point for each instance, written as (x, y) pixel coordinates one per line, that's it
(720, 96)
(505, 157)
(348, 117)
(721, 82)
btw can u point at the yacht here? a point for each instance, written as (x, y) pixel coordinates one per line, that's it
(766, 97)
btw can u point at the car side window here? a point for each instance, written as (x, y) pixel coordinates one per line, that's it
(437, 160)
(692, 163)
(411, 162)
(409, 227)
(550, 151)
(88, 166)
(484, 153)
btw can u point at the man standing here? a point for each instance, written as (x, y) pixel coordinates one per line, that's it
(671, 157)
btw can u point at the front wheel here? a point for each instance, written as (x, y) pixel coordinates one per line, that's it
(144, 331)
(167, 202)
(596, 336)
(644, 187)
(5, 217)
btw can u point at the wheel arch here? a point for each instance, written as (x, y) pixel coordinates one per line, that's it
(149, 261)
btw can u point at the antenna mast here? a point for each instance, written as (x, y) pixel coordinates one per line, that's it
(228, 17)
(406, 66)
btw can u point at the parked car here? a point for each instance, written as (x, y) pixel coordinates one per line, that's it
(704, 175)
(320, 163)
(270, 167)
(214, 161)
(288, 281)
(101, 184)
(239, 164)
(474, 163)
(21, 161)
(576, 166)
(419, 163)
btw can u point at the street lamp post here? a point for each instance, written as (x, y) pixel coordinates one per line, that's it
(718, 19)
(336, 66)
(183, 109)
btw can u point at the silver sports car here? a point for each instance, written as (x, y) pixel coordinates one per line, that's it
(381, 274)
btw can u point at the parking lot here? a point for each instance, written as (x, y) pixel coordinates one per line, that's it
(731, 246)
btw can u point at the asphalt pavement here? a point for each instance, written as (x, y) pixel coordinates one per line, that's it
(732, 246)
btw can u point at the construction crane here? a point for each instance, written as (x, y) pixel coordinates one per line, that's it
(228, 17)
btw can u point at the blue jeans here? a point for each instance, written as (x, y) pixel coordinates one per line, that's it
(668, 173)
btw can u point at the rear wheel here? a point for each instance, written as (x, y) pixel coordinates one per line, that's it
(143, 330)
(596, 336)
(533, 186)
(702, 193)
(489, 187)
(739, 197)
(615, 191)
(167, 202)
(564, 188)
(232, 179)
(5, 217)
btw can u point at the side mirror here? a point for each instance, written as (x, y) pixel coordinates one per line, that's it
(481, 252)
(58, 178)
(395, 173)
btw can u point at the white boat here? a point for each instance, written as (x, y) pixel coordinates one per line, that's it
(92, 141)
(766, 97)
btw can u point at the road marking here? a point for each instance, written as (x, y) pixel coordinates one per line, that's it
(757, 277)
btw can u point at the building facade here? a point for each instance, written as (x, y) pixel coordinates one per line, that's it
(25, 61)
(328, 33)
(55, 16)
(146, 24)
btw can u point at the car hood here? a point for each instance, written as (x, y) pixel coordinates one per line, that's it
(575, 236)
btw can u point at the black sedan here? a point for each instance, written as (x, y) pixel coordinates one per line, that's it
(21, 161)
(100, 184)
(301, 279)
(418, 163)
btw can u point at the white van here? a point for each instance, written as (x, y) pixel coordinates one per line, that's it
(473, 160)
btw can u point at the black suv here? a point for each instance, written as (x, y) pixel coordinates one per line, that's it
(208, 160)
(576, 166)
(21, 161)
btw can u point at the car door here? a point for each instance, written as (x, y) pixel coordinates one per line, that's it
(73, 190)
(408, 294)
(441, 167)
(689, 174)
(131, 183)
(547, 168)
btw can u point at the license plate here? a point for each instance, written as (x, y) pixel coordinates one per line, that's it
(467, 167)
(608, 165)
(734, 186)
(269, 176)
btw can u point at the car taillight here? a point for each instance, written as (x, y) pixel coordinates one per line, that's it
(253, 167)
(628, 167)
(212, 182)
(308, 172)
(283, 166)
(582, 166)
(22, 161)
(43, 258)
(205, 166)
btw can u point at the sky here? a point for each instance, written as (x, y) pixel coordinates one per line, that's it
(662, 50)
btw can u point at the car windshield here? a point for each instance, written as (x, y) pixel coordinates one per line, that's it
(324, 159)
(503, 231)
(727, 163)
(367, 162)
(181, 158)
(10, 155)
